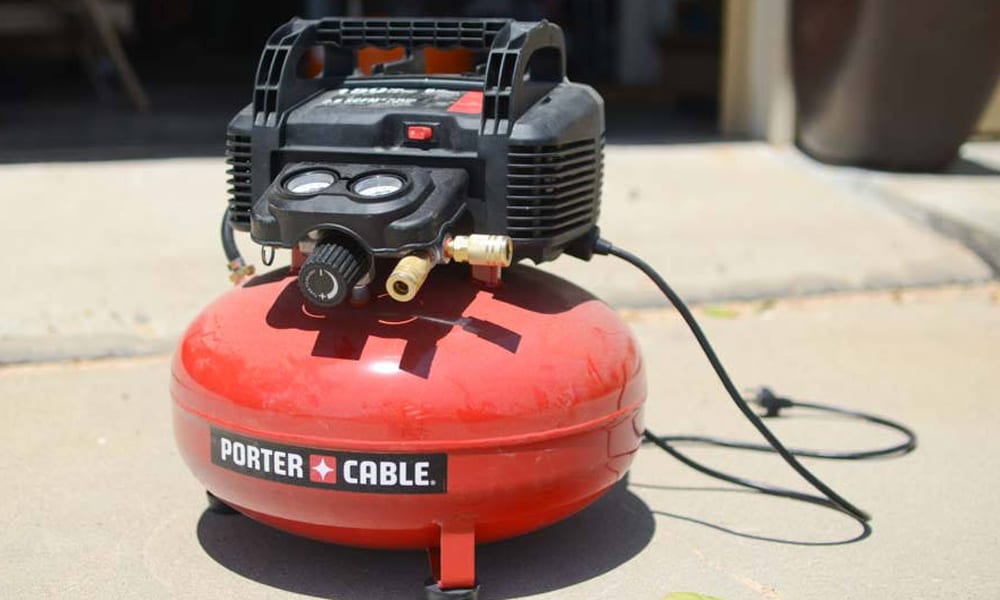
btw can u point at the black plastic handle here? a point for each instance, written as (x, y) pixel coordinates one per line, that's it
(526, 60)
(409, 33)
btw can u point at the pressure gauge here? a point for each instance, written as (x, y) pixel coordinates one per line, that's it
(309, 182)
(378, 186)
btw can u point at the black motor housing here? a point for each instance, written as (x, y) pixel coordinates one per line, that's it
(512, 148)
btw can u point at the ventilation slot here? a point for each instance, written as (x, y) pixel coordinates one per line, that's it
(553, 191)
(238, 159)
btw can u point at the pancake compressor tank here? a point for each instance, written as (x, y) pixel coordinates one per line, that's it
(398, 386)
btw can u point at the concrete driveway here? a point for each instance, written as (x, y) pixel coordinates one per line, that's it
(831, 285)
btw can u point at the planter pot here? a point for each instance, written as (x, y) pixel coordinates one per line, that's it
(893, 84)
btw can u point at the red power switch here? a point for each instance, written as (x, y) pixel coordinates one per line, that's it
(419, 133)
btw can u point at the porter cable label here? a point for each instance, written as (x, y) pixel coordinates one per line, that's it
(331, 469)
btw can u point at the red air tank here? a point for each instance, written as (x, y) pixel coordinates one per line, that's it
(469, 415)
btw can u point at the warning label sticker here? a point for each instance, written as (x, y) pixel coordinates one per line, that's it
(382, 98)
(392, 97)
(470, 103)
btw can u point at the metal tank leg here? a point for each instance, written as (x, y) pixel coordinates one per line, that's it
(453, 565)
(218, 506)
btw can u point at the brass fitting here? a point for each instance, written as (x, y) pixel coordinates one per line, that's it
(480, 249)
(408, 276)
(239, 271)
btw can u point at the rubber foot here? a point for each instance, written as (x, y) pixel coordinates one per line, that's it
(433, 591)
(218, 506)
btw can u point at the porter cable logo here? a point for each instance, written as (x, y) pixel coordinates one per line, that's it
(331, 469)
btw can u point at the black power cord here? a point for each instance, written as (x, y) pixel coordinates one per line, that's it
(771, 403)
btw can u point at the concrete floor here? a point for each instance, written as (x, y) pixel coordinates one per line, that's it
(807, 283)
(124, 254)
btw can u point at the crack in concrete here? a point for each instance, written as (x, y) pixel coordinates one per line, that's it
(865, 184)
(55, 350)
(60, 349)
(769, 592)
(978, 240)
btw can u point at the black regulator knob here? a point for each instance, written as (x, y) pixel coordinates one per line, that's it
(331, 271)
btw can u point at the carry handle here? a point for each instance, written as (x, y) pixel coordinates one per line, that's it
(409, 33)
(526, 60)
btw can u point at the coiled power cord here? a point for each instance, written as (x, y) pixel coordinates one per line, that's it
(773, 405)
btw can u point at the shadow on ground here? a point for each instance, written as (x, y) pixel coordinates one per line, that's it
(967, 166)
(855, 531)
(598, 539)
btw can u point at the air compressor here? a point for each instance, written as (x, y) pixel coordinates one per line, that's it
(402, 385)
(405, 383)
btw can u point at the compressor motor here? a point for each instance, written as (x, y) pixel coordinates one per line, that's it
(486, 167)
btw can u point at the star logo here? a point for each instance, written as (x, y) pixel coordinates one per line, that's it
(322, 469)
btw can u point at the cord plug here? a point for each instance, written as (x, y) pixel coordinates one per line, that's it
(771, 403)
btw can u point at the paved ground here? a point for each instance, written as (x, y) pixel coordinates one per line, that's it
(854, 298)
(962, 205)
(99, 505)
(726, 221)
(115, 258)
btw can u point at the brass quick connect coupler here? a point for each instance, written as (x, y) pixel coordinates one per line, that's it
(410, 273)
(239, 271)
(479, 249)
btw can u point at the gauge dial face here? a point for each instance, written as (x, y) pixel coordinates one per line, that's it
(377, 186)
(310, 182)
